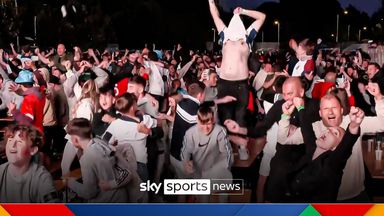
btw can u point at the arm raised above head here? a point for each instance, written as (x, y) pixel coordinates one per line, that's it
(216, 16)
(258, 16)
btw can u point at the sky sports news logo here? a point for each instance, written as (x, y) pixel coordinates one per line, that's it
(195, 187)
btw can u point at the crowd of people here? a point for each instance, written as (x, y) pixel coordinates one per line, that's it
(131, 116)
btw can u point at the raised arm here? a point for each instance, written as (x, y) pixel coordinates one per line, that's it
(77, 54)
(186, 67)
(344, 150)
(102, 76)
(285, 133)
(71, 80)
(93, 55)
(216, 16)
(258, 16)
(41, 57)
(2, 72)
(13, 50)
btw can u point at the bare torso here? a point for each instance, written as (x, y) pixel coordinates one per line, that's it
(235, 61)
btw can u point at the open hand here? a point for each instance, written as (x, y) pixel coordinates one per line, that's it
(13, 87)
(52, 51)
(91, 52)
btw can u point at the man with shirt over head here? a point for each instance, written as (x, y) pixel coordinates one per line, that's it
(234, 72)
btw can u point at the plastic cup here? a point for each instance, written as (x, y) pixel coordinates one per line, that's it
(378, 154)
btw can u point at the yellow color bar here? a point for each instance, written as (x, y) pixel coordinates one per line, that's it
(376, 210)
(3, 212)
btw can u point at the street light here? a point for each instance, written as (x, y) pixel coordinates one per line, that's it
(364, 28)
(349, 26)
(17, 36)
(349, 30)
(262, 36)
(214, 35)
(337, 25)
(337, 28)
(278, 31)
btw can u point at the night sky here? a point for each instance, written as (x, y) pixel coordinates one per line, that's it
(368, 6)
(164, 22)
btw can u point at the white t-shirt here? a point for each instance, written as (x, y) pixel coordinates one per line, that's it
(156, 83)
(124, 131)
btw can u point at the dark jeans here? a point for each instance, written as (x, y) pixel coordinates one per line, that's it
(142, 171)
(234, 110)
(54, 139)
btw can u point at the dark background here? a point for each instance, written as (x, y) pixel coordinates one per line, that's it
(133, 23)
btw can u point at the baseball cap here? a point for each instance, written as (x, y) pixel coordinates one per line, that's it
(25, 76)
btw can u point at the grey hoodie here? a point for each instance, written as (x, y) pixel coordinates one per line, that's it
(98, 164)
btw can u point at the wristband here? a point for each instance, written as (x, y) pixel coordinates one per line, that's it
(285, 116)
(300, 108)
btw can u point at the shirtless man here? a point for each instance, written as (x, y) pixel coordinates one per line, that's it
(236, 42)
